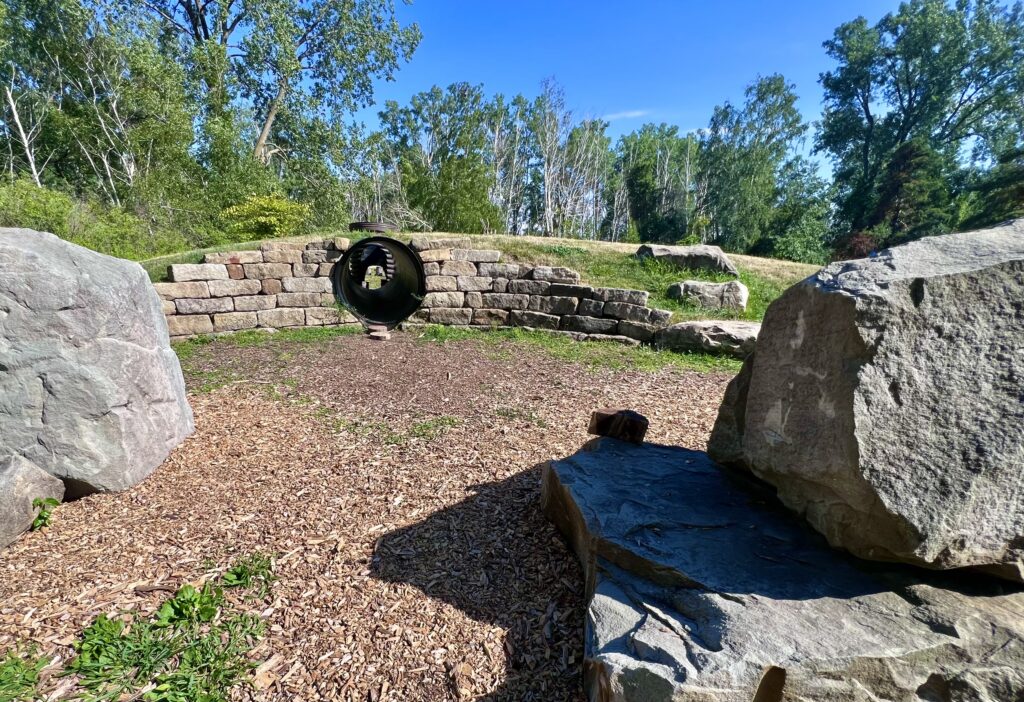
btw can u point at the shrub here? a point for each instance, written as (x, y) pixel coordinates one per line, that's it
(23, 204)
(266, 216)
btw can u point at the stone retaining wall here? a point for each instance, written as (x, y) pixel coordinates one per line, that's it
(282, 285)
(287, 284)
(473, 287)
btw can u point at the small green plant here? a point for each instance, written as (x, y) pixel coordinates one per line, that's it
(254, 572)
(45, 506)
(267, 216)
(524, 415)
(432, 428)
(19, 675)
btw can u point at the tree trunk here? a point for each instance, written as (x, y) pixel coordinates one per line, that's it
(26, 142)
(259, 152)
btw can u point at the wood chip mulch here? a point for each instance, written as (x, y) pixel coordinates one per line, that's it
(412, 559)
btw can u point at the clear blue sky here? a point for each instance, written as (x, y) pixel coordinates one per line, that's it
(630, 61)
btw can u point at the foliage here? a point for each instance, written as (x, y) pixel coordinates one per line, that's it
(19, 675)
(45, 507)
(266, 216)
(253, 572)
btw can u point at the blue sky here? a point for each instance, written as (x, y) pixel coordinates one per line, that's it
(630, 61)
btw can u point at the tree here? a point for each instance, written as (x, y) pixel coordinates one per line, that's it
(947, 75)
(1000, 192)
(913, 195)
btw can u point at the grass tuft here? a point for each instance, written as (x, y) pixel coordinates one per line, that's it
(254, 572)
(19, 675)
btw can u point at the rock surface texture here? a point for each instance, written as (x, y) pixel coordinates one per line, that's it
(701, 257)
(702, 588)
(732, 295)
(90, 390)
(884, 403)
(729, 337)
(21, 483)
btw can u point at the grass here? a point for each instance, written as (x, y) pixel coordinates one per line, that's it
(588, 353)
(195, 646)
(187, 348)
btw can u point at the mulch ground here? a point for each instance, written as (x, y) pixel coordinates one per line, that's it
(398, 485)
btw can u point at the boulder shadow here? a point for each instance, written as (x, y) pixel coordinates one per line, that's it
(496, 558)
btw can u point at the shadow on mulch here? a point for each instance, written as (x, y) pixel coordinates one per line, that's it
(495, 557)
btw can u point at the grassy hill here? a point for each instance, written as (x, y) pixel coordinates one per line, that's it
(600, 263)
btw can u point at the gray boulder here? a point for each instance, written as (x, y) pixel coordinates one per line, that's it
(91, 391)
(884, 403)
(727, 337)
(21, 483)
(714, 296)
(701, 587)
(700, 257)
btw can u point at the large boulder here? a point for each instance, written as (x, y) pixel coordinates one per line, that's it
(884, 402)
(728, 337)
(90, 390)
(731, 295)
(22, 483)
(701, 587)
(694, 258)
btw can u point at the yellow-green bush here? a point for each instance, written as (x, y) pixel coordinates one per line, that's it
(266, 217)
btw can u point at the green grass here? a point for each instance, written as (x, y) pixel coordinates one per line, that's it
(187, 348)
(589, 353)
(19, 675)
(196, 646)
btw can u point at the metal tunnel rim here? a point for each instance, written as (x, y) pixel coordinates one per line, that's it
(391, 304)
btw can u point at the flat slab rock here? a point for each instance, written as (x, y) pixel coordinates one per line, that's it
(703, 588)
(699, 257)
(728, 337)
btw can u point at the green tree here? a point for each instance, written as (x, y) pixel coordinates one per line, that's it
(949, 75)
(913, 195)
(999, 194)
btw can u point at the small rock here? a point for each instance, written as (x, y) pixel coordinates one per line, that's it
(701, 257)
(715, 296)
(622, 424)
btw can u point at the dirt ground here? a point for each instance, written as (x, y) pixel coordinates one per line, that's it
(398, 484)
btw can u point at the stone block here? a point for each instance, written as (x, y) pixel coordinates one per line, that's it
(282, 245)
(537, 320)
(612, 338)
(279, 317)
(631, 313)
(204, 305)
(529, 287)
(189, 325)
(183, 272)
(457, 268)
(589, 325)
(660, 318)
(632, 297)
(173, 291)
(236, 271)
(306, 270)
(506, 301)
(271, 286)
(435, 255)
(555, 274)
(731, 295)
(317, 316)
(591, 308)
(167, 307)
(569, 290)
(489, 318)
(234, 257)
(499, 270)
(298, 299)
(553, 305)
(233, 321)
(621, 424)
(730, 337)
(699, 257)
(441, 283)
(476, 255)
(260, 271)
(432, 268)
(474, 299)
(424, 244)
(306, 285)
(282, 256)
(328, 300)
(637, 330)
(475, 283)
(444, 299)
(320, 256)
(325, 269)
(450, 315)
(499, 285)
(252, 303)
(231, 288)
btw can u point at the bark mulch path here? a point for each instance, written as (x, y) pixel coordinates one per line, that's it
(398, 485)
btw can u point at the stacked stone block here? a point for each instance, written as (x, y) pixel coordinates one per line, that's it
(473, 287)
(284, 284)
